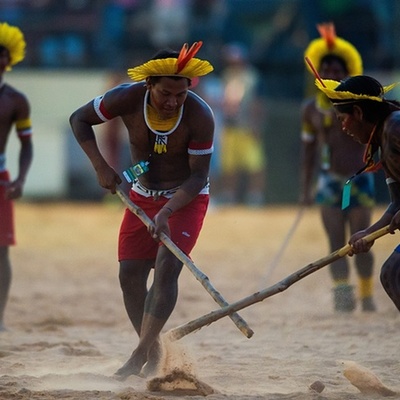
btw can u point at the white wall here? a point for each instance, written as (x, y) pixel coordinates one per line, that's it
(53, 96)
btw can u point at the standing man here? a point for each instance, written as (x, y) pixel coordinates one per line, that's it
(243, 160)
(337, 157)
(14, 110)
(170, 132)
(369, 118)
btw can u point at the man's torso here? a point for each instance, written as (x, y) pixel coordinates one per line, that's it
(170, 168)
(344, 155)
(9, 103)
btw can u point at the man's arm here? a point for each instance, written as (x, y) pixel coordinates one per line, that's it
(82, 121)
(200, 150)
(24, 131)
(391, 154)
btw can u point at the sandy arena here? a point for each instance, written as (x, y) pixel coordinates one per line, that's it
(68, 331)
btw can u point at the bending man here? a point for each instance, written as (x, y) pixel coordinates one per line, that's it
(170, 132)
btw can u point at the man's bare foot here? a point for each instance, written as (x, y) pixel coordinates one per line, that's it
(153, 360)
(132, 367)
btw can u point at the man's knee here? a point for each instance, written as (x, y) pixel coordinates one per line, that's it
(132, 272)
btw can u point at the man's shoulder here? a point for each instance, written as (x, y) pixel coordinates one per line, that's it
(391, 126)
(309, 103)
(15, 96)
(13, 91)
(131, 89)
(125, 98)
(195, 102)
(309, 107)
(394, 116)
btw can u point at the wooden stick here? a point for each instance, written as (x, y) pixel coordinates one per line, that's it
(200, 276)
(183, 330)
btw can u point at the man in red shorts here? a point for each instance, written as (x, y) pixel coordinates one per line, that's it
(170, 132)
(14, 110)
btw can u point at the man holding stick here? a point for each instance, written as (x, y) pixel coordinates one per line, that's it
(369, 118)
(14, 110)
(170, 131)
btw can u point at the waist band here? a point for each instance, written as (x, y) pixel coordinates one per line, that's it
(168, 193)
(144, 191)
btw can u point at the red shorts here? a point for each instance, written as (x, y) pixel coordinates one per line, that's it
(185, 224)
(7, 237)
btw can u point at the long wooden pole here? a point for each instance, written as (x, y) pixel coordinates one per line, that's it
(199, 275)
(194, 325)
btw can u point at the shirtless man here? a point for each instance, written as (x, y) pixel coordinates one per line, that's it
(338, 158)
(369, 118)
(14, 110)
(170, 131)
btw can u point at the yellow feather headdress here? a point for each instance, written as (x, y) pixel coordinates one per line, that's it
(185, 65)
(13, 40)
(329, 43)
(328, 87)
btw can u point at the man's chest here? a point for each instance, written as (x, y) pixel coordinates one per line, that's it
(145, 139)
(8, 107)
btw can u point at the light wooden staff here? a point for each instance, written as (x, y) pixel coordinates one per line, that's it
(199, 275)
(183, 330)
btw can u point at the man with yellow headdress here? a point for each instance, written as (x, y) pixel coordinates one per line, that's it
(369, 118)
(170, 132)
(336, 157)
(14, 111)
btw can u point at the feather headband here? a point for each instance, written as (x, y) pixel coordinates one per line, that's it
(328, 87)
(328, 44)
(185, 65)
(13, 40)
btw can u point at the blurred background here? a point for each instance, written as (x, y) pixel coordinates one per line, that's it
(77, 49)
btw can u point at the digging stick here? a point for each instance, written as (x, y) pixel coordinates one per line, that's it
(199, 275)
(183, 330)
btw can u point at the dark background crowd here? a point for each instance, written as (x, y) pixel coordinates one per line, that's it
(117, 33)
(113, 35)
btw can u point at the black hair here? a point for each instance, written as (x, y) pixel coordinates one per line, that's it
(373, 111)
(331, 58)
(361, 84)
(165, 53)
(2, 48)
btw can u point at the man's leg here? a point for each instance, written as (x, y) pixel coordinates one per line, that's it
(5, 282)
(390, 277)
(334, 223)
(360, 218)
(133, 275)
(159, 304)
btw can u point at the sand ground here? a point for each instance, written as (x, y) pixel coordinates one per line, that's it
(68, 331)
